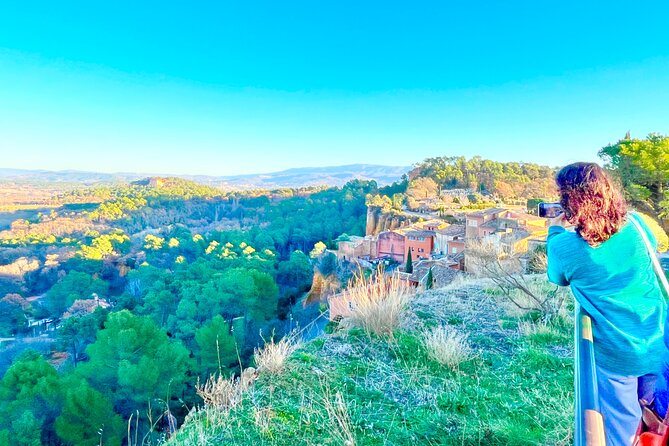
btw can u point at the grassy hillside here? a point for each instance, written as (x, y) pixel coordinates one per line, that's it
(510, 383)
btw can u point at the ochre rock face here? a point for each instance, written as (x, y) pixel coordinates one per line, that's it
(372, 214)
(377, 221)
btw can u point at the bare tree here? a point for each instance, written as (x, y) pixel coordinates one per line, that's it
(499, 263)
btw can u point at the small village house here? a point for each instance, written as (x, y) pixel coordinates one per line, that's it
(419, 243)
(352, 247)
(392, 244)
(475, 222)
(444, 271)
(449, 240)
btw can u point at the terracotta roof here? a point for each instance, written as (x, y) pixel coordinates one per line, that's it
(400, 232)
(490, 224)
(417, 233)
(458, 257)
(515, 235)
(488, 211)
(452, 230)
(433, 222)
(442, 272)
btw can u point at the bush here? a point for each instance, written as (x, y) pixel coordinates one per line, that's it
(272, 357)
(446, 346)
(378, 303)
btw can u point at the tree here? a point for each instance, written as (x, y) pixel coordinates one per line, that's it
(75, 285)
(88, 419)
(153, 242)
(409, 265)
(76, 333)
(160, 302)
(659, 233)
(643, 169)
(380, 201)
(429, 280)
(12, 314)
(133, 362)
(30, 398)
(319, 248)
(504, 190)
(296, 272)
(217, 346)
(504, 267)
(422, 188)
(328, 264)
(26, 430)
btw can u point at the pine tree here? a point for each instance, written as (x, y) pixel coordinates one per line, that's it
(429, 281)
(409, 265)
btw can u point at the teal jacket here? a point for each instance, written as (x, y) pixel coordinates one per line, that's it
(615, 283)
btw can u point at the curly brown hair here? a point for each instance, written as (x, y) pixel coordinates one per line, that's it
(591, 201)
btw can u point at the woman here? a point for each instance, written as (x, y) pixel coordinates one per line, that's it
(607, 265)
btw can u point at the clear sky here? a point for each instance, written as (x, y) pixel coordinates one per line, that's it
(223, 88)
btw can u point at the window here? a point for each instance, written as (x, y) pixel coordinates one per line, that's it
(454, 250)
(350, 305)
(472, 223)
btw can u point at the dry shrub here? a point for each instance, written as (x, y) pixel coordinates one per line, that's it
(377, 303)
(337, 410)
(446, 346)
(528, 328)
(271, 358)
(501, 264)
(263, 419)
(225, 394)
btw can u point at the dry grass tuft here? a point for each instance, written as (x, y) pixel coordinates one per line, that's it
(378, 303)
(225, 394)
(446, 346)
(527, 328)
(219, 393)
(337, 411)
(263, 419)
(271, 358)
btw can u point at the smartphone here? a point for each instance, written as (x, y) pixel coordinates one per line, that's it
(550, 210)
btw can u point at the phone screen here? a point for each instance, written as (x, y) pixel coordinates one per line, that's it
(549, 210)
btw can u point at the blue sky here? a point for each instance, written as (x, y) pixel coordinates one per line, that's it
(225, 88)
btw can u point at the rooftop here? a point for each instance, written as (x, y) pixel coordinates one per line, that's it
(452, 230)
(489, 211)
(441, 271)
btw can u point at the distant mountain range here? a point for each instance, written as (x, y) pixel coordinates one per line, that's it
(297, 177)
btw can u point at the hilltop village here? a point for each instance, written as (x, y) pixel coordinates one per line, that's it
(437, 246)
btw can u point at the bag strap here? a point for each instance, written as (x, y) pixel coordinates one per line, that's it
(651, 252)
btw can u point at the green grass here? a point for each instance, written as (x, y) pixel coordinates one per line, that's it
(516, 390)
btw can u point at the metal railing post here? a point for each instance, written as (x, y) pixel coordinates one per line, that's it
(589, 430)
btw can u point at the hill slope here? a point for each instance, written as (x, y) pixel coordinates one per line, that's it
(345, 388)
(298, 177)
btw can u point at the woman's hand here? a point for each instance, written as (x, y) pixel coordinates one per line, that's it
(560, 220)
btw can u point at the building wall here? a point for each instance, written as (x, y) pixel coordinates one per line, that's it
(457, 245)
(473, 226)
(391, 244)
(441, 243)
(357, 247)
(339, 307)
(345, 250)
(419, 248)
(370, 247)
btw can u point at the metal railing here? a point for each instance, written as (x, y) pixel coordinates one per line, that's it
(589, 429)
